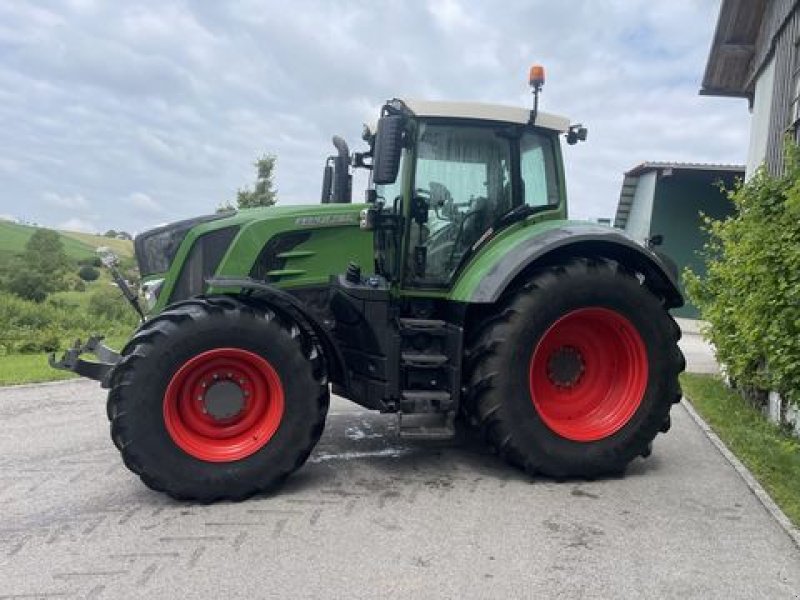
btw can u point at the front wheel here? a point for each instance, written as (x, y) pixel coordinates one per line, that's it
(576, 373)
(216, 399)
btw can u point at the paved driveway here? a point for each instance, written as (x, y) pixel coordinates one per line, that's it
(372, 517)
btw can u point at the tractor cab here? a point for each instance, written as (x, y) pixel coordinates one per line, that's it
(457, 173)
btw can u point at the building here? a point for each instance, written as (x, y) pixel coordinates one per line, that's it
(667, 200)
(756, 55)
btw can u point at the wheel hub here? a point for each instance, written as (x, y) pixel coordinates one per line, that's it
(223, 404)
(565, 367)
(224, 399)
(588, 374)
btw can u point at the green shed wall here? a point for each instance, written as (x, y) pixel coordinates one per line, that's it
(679, 200)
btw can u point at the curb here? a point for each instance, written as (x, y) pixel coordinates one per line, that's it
(758, 491)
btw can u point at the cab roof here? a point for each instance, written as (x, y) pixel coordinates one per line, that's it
(486, 112)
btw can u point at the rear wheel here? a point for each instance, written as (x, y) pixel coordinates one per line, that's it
(576, 372)
(216, 399)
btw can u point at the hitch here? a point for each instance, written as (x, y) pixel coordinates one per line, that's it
(98, 370)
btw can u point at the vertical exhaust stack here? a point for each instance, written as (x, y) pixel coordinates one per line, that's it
(342, 180)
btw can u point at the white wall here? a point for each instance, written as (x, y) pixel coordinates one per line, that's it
(759, 124)
(638, 225)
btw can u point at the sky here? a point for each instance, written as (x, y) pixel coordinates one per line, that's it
(127, 115)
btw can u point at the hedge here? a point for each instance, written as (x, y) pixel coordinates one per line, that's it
(750, 294)
(28, 327)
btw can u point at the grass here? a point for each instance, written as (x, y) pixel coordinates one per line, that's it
(771, 454)
(123, 248)
(14, 236)
(29, 368)
(34, 368)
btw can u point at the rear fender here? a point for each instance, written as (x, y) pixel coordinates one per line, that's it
(568, 240)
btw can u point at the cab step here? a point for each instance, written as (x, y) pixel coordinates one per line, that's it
(429, 427)
(423, 360)
(425, 401)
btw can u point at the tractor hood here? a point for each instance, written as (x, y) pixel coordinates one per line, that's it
(282, 245)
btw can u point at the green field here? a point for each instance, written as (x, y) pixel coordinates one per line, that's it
(13, 238)
(123, 248)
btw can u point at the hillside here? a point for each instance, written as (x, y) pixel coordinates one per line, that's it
(13, 238)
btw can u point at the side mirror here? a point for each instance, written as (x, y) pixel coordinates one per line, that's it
(577, 133)
(388, 146)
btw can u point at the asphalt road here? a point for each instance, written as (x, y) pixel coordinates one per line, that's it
(371, 516)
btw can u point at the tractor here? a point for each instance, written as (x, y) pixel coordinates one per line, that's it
(457, 293)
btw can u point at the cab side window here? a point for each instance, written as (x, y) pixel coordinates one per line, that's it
(537, 168)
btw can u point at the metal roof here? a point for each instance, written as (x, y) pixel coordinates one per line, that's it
(654, 165)
(488, 112)
(729, 67)
(631, 181)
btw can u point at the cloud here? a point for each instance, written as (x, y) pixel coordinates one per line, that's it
(143, 202)
(175, 98)
(70, 202)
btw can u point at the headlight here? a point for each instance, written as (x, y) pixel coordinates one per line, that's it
(150, 291)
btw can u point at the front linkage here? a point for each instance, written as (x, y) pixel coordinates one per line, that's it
(98, 370)
(107, 358)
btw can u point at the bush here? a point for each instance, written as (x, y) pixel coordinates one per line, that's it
(30, 285)
(108, 303)
(26, 326)
(751, 293)
(79, 286)
(88, 273)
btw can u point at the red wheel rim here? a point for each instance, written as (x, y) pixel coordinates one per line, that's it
(223, 404)
(588, 374)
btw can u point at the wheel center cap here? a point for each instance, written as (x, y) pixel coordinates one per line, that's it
(565, 367)
(223, 400)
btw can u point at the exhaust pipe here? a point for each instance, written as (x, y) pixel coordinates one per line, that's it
(342, 180)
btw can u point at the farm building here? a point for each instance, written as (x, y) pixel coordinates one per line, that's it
(756, 55)
(667, 199)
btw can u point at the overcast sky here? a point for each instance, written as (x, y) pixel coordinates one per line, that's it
(129, 114)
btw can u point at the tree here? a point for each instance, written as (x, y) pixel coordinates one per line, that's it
(30, 285)
(44, 253)
(264, 193)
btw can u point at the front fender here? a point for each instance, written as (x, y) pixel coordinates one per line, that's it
(516, 256)
(289, 306)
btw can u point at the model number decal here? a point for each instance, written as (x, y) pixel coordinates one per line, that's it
(323, 220)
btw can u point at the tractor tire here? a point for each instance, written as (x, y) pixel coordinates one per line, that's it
(216, 399)
(574, 374)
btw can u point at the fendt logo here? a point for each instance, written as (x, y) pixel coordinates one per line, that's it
(326, 220)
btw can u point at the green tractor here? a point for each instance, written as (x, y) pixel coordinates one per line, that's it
(458, 292)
